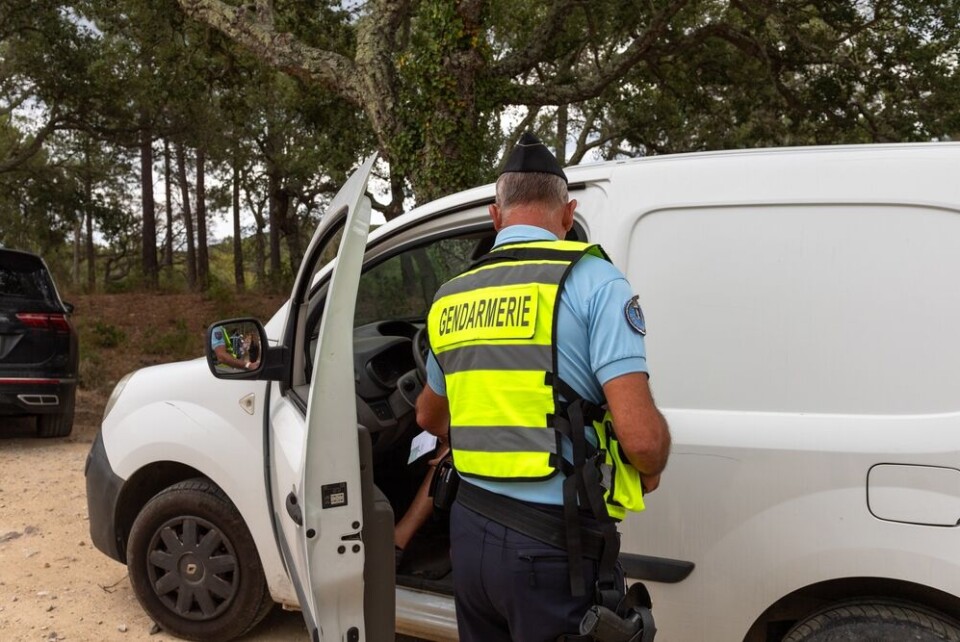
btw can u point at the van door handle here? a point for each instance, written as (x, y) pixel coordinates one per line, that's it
(293, 509)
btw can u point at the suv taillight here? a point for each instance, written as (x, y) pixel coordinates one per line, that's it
(40, 321)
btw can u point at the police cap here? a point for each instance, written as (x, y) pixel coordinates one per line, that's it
(531, 155)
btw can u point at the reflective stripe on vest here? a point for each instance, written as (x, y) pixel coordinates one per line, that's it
(492, 331)
(229, 343)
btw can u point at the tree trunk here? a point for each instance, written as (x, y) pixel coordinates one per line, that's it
(237, 241)
(562, 119)
(260, 243)
(149, 229)
(187, 218)
(291, 231)
(203, 257)
(75, 270)
(91, 258)
(260, 258)
(274, 189)
(168, 187)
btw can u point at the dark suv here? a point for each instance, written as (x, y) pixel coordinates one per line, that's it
(38, 345)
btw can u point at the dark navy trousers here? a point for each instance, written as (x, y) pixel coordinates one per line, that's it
(509, 587)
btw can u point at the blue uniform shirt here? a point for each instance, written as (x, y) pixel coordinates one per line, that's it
(217, 338)
(595, 343)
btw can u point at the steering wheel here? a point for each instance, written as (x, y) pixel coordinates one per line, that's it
(421, 349)
(411, 384)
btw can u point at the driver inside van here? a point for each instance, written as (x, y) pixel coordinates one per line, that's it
(421, 508)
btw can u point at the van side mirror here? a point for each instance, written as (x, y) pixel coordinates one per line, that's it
(236, 349)
(69, 307)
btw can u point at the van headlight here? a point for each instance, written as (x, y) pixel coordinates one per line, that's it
(117, 389)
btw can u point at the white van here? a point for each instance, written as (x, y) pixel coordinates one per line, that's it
(803, 314)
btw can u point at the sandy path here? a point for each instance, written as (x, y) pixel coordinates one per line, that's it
(54, 585)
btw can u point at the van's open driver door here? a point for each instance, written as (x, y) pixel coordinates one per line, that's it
(325, 553)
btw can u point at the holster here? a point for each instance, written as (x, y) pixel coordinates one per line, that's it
(444, 485)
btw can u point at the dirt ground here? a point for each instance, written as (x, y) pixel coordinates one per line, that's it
(54, 585)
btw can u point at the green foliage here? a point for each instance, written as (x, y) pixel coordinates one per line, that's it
(444, 139)
(438, 87)
(173, 344)
(106, 335)
(772, 74)
(222, 296)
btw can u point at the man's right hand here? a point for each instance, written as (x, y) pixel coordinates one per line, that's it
(649, 483)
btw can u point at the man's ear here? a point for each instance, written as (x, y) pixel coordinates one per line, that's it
(496, 216)
(568, 210)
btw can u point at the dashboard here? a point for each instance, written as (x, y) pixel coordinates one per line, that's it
(383, 370)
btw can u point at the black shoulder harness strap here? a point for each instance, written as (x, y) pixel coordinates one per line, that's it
(582, 486)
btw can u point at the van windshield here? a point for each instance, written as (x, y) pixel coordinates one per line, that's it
(403, 286)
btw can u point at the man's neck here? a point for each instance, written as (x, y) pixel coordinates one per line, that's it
(535, 218)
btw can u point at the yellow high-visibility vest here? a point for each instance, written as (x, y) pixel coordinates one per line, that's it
(492, 330)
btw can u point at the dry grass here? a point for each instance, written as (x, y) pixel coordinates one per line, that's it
(124, 332)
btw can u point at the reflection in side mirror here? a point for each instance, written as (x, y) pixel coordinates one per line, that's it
(235, 348)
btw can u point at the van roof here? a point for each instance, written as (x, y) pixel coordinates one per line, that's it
(759, 151)
(589, 172)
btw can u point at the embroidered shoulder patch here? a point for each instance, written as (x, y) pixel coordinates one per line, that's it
(635, 315)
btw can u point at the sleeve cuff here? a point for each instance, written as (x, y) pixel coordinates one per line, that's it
(435, 376)
(621, 367)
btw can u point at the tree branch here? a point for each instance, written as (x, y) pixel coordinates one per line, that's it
(255, 30)
(17, 156)
(522, 61)
(590, 86)
(378, 33)
(515, 135)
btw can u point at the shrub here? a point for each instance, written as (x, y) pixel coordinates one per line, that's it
(107, 335)
(173, 345)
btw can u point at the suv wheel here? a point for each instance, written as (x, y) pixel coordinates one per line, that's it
(193, 564)
(59, 424)
(875, 619)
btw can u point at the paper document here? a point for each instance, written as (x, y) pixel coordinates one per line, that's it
(421, 445)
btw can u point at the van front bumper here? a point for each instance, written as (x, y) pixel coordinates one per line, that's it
(103, 492)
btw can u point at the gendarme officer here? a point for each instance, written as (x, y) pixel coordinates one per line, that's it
(539, 372)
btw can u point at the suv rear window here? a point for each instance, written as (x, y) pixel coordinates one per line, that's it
(24, 276)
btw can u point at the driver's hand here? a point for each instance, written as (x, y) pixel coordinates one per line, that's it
(443, 449)
(442, 452)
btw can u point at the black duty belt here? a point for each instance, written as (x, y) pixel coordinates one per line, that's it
(527, 519)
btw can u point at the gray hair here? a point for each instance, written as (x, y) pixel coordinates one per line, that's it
(520, 188)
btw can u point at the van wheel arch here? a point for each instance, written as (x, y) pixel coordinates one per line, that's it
(779, 618)
(875, 619)
(142, 486)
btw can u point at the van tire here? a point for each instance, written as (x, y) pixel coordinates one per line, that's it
(213, 605)
(875, 619)
(58, 424)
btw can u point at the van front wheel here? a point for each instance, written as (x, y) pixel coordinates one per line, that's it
(194, 566)
(875, 619)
